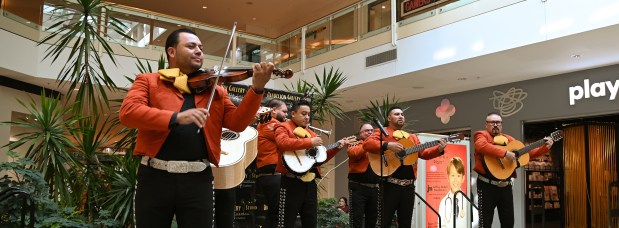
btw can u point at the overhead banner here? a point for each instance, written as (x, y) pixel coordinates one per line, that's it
(237, 92)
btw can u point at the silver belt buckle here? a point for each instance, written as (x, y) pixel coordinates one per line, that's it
(178, 167)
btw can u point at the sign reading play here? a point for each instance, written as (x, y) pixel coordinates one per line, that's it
(598, 89)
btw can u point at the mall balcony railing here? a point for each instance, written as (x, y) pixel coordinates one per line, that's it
(344, 27)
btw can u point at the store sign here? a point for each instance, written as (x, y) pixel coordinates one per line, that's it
(411, 6)
(598, 89)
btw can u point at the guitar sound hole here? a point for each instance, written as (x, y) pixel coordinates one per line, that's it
(229, 135)
(312, 152)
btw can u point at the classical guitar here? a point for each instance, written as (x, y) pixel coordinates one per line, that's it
(393, 160)
(502, 168)
(238, 150)
(299, 162)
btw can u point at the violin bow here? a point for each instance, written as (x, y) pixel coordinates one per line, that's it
(221, 67)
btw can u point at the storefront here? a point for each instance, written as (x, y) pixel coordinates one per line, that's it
(573, 180)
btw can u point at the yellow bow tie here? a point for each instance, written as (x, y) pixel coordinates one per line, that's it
(399, 134)
(500, 140)
(178, 79)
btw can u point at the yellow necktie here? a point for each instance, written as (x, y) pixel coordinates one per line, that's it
(178, 79)
(399, 134)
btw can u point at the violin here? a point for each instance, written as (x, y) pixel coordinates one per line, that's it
(203, 79)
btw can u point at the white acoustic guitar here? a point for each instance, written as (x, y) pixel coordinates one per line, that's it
(299, 162)
(238, 150)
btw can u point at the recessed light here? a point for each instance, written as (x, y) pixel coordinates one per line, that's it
(178, 25)
(253, 18)
(462, 79)
(384, 7)
(204, 7)
(249, 3)
(575, 56)
(418, 87)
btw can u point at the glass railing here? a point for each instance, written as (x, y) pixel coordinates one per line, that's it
(347, 26)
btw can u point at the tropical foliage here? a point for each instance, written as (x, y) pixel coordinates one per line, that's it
(329, 216)
(380, 109)
(324, 94)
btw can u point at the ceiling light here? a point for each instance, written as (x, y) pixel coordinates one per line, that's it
(253, 18)
(204, 7)
(461, 79)
(384, 7)
(575, 56)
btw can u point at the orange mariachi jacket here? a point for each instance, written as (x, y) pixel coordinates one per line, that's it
(358, 160)
(267, 148)
(372, 145)
(484, 145)
(287, 141)
(150, 103)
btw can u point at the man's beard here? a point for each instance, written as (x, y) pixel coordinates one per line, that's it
(495, 131)
(280, 118)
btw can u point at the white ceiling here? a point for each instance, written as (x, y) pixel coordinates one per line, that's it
(596, 48)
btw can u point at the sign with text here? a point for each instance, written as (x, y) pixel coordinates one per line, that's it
(596, 89)
(445, 175)
(237, 92)
(411, 6)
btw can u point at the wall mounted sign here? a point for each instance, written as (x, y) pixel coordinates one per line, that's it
(508, 103)
(593, 90)
(445, 111)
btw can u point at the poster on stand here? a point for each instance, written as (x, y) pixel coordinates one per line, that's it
(444, 176)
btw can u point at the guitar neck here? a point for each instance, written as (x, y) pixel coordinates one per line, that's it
(421, 147)
(531, 146)
(332, 145)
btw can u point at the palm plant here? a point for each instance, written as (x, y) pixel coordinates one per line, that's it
(122, 173)
(380, 109)
(47, 143)
(323, 93)
(84, 70)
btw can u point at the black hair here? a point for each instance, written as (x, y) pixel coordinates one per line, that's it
(299, 103)
(274, 103)
(345, 200)
(172, 39)
(389, 113)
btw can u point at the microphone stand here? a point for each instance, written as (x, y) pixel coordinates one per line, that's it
(382, 181)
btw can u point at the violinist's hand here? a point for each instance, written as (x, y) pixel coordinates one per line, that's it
(262, 75)
(196, 116)
(316, 141)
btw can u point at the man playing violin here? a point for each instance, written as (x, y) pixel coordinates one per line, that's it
(362, 183)
(399, 190)
(178, 137)
(268, 179)
(493, 192)
(297, 193)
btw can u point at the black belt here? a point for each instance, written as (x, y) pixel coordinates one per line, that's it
(499, 184)
(400, 182)
(267, 174)
(363, 184)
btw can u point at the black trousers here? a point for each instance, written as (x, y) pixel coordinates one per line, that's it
(397, 198)
(161, 195)
(225, 200)
(491, 196)
(269, 187)
(297, 197)
(363, 205)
